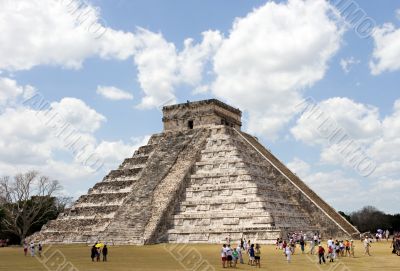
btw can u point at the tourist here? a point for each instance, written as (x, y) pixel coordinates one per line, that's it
(25, 248)
(228, 239)
(235, 257)
(321, 254)
(105, 252)
(397, 244)
(341, 247)
(257, 255)
(229, 255)
(288, 253)
(367, 246)
(40, 248)
(302, 244)
(312, 247)
(251, 255)
(93, 252)
(347, 246)
(331, 255)
(32, 247)
(330, 242)
(284, 246)
(352, 247)
(223, 255)
(248, 250)
(98, 253)
(393, 245)
(239, 251)
(241, 243)
(293, 246)
(337, 248)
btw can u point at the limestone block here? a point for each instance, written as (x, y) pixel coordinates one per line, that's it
(230, 221)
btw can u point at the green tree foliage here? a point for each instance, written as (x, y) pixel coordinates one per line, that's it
(371, 219)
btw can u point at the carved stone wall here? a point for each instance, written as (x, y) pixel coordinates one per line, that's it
(200, 114)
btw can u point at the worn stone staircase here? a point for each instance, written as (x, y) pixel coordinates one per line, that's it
(325, 208)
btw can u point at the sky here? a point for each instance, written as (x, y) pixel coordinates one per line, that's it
(82, 84)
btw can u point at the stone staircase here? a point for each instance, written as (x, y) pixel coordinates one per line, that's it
(92, 213)
(138, 221)
(326, 208)
(221, 198)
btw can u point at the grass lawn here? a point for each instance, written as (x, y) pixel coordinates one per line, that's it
(186, 257)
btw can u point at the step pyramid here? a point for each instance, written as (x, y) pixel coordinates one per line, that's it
(200, 180)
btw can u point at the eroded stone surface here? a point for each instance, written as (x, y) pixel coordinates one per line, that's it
(199, 181)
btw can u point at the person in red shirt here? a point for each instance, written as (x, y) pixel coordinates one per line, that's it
(321, 254)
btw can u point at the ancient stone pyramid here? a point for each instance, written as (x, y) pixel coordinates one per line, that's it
(198, 181)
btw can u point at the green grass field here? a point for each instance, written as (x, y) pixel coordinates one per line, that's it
(186, 257)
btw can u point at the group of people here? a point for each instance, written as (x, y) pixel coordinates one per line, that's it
(381, 234)
(231, 256)
(97, 250)
(32, 248)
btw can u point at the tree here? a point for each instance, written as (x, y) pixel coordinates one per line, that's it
(28, 202)
(346, 216)
(370, 219)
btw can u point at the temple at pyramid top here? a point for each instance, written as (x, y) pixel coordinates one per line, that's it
(191, 115)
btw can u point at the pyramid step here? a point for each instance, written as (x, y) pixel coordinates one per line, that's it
(134, 162)
(101, 199)
(112, 186)
(123, 173)
(145, 150)
(78, 225)
(93, 211)
(337, 218)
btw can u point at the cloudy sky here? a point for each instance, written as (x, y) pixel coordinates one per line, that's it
(82, 84)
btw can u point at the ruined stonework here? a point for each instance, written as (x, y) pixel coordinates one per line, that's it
(199, 181)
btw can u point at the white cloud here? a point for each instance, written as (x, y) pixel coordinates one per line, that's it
(113, 93)
(348, 63)
(361, 122)
(377, 136)
(271, 55)
(64, 33)
(201, 89)
(332, 186)
(386, 54)
(113, 153)
(29, 139)
(78, 114)
(344, 130)
(10, 91)
(161, 67)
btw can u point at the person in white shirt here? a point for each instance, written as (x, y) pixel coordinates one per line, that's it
(32, 246)
(367, 246)
(223, 255)
(288, 253)
(330, 242)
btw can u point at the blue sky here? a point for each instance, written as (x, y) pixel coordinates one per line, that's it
(264, 57)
